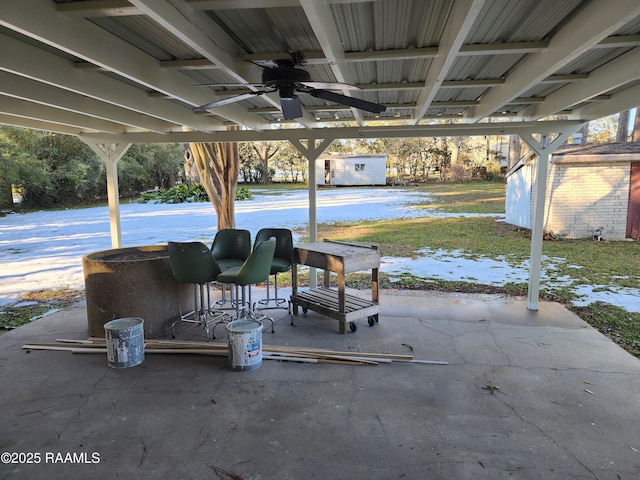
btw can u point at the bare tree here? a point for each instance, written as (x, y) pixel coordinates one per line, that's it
(264, 151)
(217, 165)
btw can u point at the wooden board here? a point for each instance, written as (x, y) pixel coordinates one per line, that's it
(325, 301)
(337, 256)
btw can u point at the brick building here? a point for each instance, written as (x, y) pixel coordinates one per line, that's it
(588, 187)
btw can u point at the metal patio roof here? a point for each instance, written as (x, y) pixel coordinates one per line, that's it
(117, 72)
(132, 70)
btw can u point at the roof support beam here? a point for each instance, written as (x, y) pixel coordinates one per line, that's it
(216, 46)
(35, 111)
(50, 69)
(459, 23)
(617, 72)
(246, 4)
(40, 20)
(475, 49)
(66, 101)
(509, 48)
(297, 134)
(233, 4)
(471, 83)
(321, 20)
(618, 103)
(592, 25)
(98, 8)
(39, 124)
(189, 26)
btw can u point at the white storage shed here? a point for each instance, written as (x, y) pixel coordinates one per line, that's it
(351, 170)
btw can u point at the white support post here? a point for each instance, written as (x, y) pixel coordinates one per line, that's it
(313, 202)
(544, 148)
(537, 230)
(314, 149)
(113, 198)
(110, 154)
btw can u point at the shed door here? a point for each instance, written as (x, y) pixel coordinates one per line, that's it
(633, 213)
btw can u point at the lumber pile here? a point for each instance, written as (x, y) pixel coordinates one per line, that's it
(269, 352)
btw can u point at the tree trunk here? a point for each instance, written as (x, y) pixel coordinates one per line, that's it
(515, 151)
(6, 194)
(636, 127)
(217, 165)
(191, 174)
(455, 150)
(264, 153)
(623, 127)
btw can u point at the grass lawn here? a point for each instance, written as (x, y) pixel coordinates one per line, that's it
(605, 264)
(615, 264)
(35, 304)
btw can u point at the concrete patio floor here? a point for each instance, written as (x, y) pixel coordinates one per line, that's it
(567, 407)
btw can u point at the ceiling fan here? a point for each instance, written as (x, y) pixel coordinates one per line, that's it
(287, 79)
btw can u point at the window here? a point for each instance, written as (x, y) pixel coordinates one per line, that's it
(359, 167)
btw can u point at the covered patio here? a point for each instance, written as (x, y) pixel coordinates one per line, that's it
(115, 73)
(528, 390)
(527, 395)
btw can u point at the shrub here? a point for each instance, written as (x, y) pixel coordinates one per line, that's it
(243, 193)
(184, 193)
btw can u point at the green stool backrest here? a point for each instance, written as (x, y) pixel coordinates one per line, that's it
(232, 243)
(257, 267)
(192, 262)
(284, 241)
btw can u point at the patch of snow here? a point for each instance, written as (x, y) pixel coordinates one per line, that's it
(627, 298)
(44, 250)
(443, 265)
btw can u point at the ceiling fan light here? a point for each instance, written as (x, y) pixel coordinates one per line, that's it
(291, 107)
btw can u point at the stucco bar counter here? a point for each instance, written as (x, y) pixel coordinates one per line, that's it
(134, 282)
(341, 258)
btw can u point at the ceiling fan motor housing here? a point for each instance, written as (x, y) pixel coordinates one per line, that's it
(284, 77)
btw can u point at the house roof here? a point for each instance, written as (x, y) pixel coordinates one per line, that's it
(614, 148)
(133, 70)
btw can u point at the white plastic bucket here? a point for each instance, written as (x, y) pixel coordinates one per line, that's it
(125, 342)
(245, 344)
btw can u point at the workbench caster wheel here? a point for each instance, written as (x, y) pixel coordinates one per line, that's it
(372, 320)
(353, 326)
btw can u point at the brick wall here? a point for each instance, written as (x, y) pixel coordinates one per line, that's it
(582, 197)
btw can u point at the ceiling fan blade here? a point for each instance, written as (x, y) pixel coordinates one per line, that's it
(291, 107)
(230, 85)
(330, 86)
(225, 101)
(349, 101)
